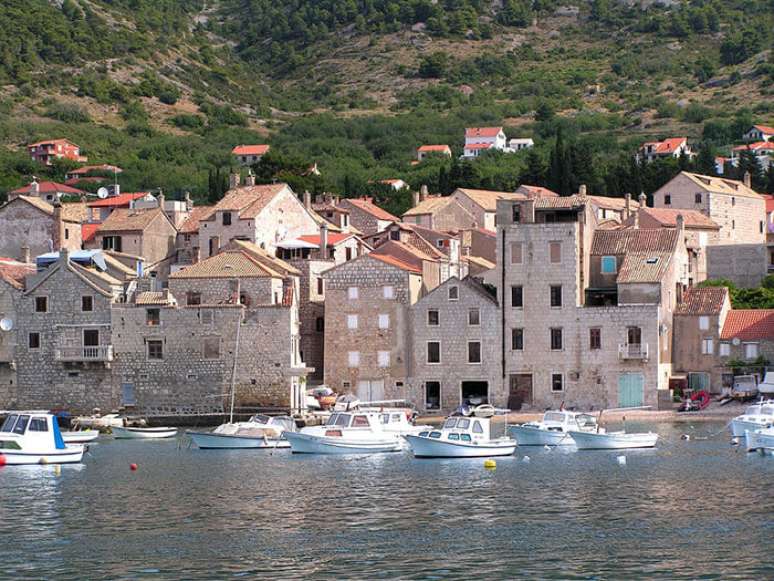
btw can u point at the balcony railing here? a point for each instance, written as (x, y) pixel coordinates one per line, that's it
(78, 354)
(636, 351)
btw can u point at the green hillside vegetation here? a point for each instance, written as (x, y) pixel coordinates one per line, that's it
(166, 88)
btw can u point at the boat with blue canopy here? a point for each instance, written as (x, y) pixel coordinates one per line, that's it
(34, 438)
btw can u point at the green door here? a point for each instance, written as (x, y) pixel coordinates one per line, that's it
(630, 390)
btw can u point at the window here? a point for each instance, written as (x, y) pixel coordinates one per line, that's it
(725, 349)
(352, 293)
(516, 257)
(395, 235)
(34, 341)
(211, 347)
(111, 243)
(227, 218)
(557, 382)
(556, 295)
(474, 351)
(477, 428)
(697, 198)
(320, 286)
(517, 339)
(433, 352)
(38, 425)
(556, 339)
(609, 265)
(517, 297)
(206, 316)
(153, 317)
(555, 251)
(433, 318)
(360, 422)
(760, 226)
(707, 346)
(384, 321)
(750, 350)
(516, 213)
(347, 253)
(388, 292)
(384, 358)
(193, 298)
(454, 293)
(703, 323)
(353, 358)
(67, 233)
(474, 317)
(733, 224)
(634, 335)
(667, 199)
(351, 321)
(90, 337)
(595, 338)
(155, 350)
(41, 304)
(319, 324)
(733, 201)
(87, 303)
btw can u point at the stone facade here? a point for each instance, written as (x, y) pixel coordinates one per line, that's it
(455, 324)
(364, 216)
(31, 229)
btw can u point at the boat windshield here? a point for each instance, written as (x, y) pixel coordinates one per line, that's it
(9, 423)
(21, 425)
(341, 420)
(463, 423)
(554, 417)
(753, 410)
(767, 410)
(260, 419)
(586, 421)
(450, 423)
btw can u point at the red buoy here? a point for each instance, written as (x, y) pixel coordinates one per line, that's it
(2, 460)
(132, 467)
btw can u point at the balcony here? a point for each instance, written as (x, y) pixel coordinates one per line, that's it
(96, 353)
(633, 351)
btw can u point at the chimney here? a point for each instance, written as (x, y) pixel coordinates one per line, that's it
(643, 199)
(422, 193)
(188, 202)
(324, 240)
(307, 200)
(25, 254)
(34, 187)
(64, 256)
(416, 197)
(56, 236)
(636, 220)
(680, 224)
(746, 179)
(582, 191)
(627, 207)
(250, 179)
(233, 180)
(160, 200)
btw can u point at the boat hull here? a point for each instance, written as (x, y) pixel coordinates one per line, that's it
(760, 441)
(620, 441)
(144, 433)
(211, 441)
(70, 455)
(739, 427)
(312, 444)
(529, 436)
(424, 447)
(81, 437)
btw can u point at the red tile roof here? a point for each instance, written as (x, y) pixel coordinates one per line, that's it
(749, 325)
(702, 301)
(388, 259)
(52, 141)
(757, 146)
(482, 131)
(88, 231)
(129, 220)
(769, 202)
(191, 225)
(667, 217)
(667, 146)
(47, 188)
(537, 191)
(367, 205)
(14, 272)
(250, 149)
(612, 242)
(333, 238)
(431, 148)
(119, 201)
(765, 129)
(479, 145)
(90, 168)
(249, 201)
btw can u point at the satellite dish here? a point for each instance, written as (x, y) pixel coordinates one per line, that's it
(735, 341)
(102, 193)
(6, 324)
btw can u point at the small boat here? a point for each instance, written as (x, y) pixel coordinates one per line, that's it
(761, 440)
(34, 438)
(131, 433)
(80, 436)
(694, 401)
(613, 440)
(756, 416)
(100, 422)
(553, 429)
(260, 431)
(461, 437)
(356, 432)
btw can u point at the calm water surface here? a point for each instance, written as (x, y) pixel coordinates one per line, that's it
(698, 509)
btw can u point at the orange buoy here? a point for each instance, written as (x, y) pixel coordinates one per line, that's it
(3, 460)
(132, 466)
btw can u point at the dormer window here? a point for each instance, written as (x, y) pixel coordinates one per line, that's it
(395, 234)
(667, 199)
(697, 198)
(516, 209)
(454, 293)
(227, 218)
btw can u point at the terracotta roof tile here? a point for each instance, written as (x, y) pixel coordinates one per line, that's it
(14, 272)
(128, 220)
(749, 325)
(191, 225)
(151, 298)
(702, 301)
(393, 261)
(270, 261)
(667, 217)
(436, 148)
(49, 188)
(249, 201)
(250, 149)
(616, 242)
(228, 264)
(667, 146)
(88, 231)
(367, 205)
(429, 205)
(119, 201)
(757, 146)
(536, 191)
(333, 238)
(765, 129)
(471, 132)
(719, 185)
(487, 199)
(36, 202)
(643, 267)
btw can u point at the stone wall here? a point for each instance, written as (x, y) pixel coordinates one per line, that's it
(259, 291)
(10, 298)
(744, 264)
(21, 224)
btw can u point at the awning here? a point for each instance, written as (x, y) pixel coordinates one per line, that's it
(296, 245)
(79, 256)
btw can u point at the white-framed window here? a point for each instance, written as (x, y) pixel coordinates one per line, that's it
(353, 358)
(725, 349)
(750, 350)
(557, 382)
(351, 321)
(704, 323)
(707, 346)
(474, 317)
(388, 292)
(433, 318)
(384, 321)
(384, 358)
(352, 293)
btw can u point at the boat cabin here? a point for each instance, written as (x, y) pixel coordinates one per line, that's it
(462, 429)
(30, 430)
(283, 422)
(760, 409)
(337, 421)
(564, 421)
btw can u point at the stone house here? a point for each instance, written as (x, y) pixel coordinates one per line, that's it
(747, 338)
(367, 340)
(365, 216)
(46, 191)
(586, 312)
(263, 214)
(698, 324)
(438, 213)
(187, 243)
(99, 210)
(740, 251)
(64, 348)
(30, 226)
(482, 204)
(454, 330)
(12, 276)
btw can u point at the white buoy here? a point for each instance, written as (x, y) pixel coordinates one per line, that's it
(686, 437)
(547, 447)
(622, 460)
(526, 458)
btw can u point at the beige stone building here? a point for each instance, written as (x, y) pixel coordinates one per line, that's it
(12, 275)
(187, 243)
(365, 216)
(30, 226)
(439, 213)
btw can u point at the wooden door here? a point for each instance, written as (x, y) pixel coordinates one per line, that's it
(520, 391)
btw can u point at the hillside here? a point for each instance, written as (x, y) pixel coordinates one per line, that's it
(165, 88)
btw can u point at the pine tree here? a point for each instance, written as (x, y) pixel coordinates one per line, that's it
(705, 161)
(556, 163)
(534, 173)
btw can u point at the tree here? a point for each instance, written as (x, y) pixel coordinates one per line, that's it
(705, 160)
(433, 66)
(534, 173)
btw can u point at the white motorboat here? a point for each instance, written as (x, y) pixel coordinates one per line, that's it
(354, 432)
(756, 416)
(80, 436)
(553, 429)
(138, 433)
(34, 438)
(761, 440)
(260, 431)
(460, 437)
(613, 440)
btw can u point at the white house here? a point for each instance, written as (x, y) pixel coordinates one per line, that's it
(478, 139)
(759, 133)
(671, 147)
(762, 150)
(249, 154)
(519, 143)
